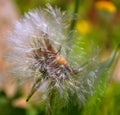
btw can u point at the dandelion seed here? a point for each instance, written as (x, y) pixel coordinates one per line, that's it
(37, 51)
(38, 54)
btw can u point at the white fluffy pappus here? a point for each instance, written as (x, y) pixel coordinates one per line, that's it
(36, 50)
(29, 30)
(37, 54)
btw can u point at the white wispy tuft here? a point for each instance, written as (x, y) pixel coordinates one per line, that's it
(29, 30)
(38, 53)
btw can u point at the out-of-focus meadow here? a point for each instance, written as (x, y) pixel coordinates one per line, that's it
(96, 24)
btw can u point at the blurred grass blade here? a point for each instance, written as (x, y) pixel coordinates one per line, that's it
(94, 79)
(101, 81)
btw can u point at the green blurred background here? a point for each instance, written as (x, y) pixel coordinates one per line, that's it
(96, 24)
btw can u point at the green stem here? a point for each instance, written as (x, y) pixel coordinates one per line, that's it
(76, 8)
(73, 22)
(72, 26)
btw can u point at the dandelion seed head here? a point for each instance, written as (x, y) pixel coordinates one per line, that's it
(36, 49)
(37, 54)
(35, 26)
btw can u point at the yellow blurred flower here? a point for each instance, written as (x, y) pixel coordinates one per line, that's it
(83, 27)
(105, 6)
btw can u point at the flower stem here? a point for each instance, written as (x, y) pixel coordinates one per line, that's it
(73, 23)
(76, 8)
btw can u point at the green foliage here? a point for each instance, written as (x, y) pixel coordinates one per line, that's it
(107, 104)
(26, 5)
(6, 105)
